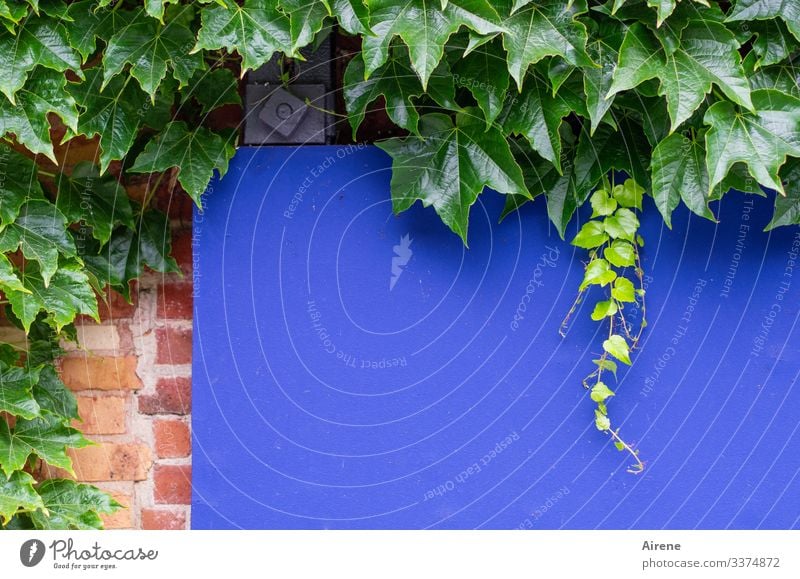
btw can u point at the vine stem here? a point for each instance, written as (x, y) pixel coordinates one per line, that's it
(639, 466)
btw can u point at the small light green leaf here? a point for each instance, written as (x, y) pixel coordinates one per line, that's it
(601, 421)
(618, 347)
(619, 446)
(629, 194)
(598, 272)
(623, 290)
(591, 235)
(622, 225)
(604, 309)
(600, 392)
(602, 203)
(620, 254)
(607, 364)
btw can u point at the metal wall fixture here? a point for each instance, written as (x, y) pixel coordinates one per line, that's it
(277, 113)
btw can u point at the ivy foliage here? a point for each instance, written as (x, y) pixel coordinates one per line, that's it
(534, 99)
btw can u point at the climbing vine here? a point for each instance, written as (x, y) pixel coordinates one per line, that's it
(547, 99)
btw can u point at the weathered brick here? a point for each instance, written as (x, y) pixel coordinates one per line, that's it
(173, 484)
(173, 396)
(100, 373)
(175, 301)
(94, 337)
(174, 345)
(111, 461)
(163, 520)
(115, 307)
(123, 518)
(173, 439)
(101, 415)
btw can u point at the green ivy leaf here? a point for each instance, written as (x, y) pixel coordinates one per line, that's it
(772, 43)
(86, 24)
(45, 437)
(256, 30)
(618, 347)
(40, 232)
(762, 140)
(43, 93)
(600, 392)
(708, 54)
(213, 89)
(597, 81)
(598, 272)
(17, 493)
(100, 202)
(53, 396)
(602, 204)
(152, 246)
(72, 505)
(16, 397)
(537, 115)
(788, 10)
(353, 16)
(622, 225)
(483, 73)
(114, 115)
(197, 154)
(424, 27)
(150, 48)
(623, 290)
(67, 294)
(306, 18)
(679, 172)
(541, 29)
(787, 209)
(604, 309)
(398, 84)
(628, 194)
(155, 8)
(592, 234)
(18, 185)
(620, 254)
(38, 41)
(449, 165)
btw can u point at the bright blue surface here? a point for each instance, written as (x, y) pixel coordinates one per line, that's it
(323, 399)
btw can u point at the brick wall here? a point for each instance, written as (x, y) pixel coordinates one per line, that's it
(132, 377)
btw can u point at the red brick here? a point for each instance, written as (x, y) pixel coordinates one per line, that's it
(107, 462)
(175, 301)
(182, 246)
(101, 415)
(173, 439)
(100, 373)
(163, 520)
(174, 346)
(173, 396)
(173, 484)
(112, 306)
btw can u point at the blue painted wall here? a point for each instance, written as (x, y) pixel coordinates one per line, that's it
(346, 378)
